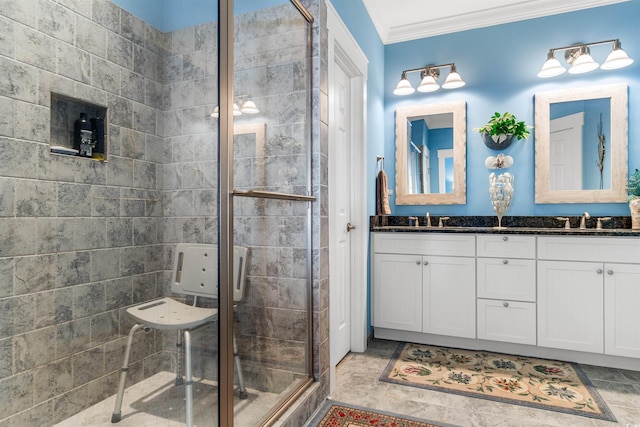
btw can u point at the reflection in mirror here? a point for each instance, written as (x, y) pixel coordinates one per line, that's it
(431, 154)
(430, 151)
(248, 156)
(579, 136)
(581, 145)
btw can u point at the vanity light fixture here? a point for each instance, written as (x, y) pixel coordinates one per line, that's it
(429, 80)
(579, 57)
(248, 107)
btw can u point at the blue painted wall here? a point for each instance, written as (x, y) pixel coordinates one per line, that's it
(500, 64)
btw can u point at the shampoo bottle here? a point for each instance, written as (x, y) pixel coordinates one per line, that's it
(97, 126)
(82, 136)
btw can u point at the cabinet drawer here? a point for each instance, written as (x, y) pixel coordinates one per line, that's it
(504, 246)
(506, 278)
(425, 244)
(596, 249)
(507, 321)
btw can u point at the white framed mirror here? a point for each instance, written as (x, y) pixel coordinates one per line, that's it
(431, 145)
(581, 145)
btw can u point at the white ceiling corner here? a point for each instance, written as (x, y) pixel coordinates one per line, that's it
(403, 20)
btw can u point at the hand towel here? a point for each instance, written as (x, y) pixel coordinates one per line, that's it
(382, 195)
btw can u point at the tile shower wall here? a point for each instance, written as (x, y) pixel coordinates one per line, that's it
(81, 239)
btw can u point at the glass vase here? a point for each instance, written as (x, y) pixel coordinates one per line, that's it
(500, 191)
(634, 208)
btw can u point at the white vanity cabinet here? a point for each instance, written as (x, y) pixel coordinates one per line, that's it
(424, 283)
(570, 297)
(588, 292)
(506, 287)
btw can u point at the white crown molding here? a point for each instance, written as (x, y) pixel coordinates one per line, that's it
(445, 22)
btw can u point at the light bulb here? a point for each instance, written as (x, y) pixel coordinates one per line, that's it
(453, 80)
(404, 86)
(428, 84)
(618, 58)
(584, 62)
(249, 107)
(551, 68)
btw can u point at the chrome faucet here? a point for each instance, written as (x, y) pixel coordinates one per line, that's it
(567, 224)
(428, 216)
(601, 220)
(440, 221)
(583, 220)
(413, 221)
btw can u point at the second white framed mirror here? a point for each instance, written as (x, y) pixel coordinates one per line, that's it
(581, 145)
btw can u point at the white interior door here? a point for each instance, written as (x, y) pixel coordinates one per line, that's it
(348, 252)
(340, 226)
(565, 165)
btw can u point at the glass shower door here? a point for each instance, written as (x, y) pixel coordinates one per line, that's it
(272, 206)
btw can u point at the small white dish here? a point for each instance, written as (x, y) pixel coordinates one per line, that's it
(63, 150)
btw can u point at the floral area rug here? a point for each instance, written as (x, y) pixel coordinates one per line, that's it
(538, 383)
(337, 414)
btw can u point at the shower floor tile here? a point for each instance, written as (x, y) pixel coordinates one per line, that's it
(157, 402)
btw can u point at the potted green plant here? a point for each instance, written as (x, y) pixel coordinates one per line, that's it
(500, 131)
(633, 192)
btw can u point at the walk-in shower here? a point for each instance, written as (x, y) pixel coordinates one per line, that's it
(207, 139)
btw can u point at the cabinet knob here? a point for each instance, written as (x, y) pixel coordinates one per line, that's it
(610, 272)
(426, 262)
(505, 261)
(505, 304)
(418, 262)
(505, 238)
(599, 271)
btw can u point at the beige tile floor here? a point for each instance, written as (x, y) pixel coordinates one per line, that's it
(357, 383)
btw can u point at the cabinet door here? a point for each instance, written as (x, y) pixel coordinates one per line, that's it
(507, 321)
(449, 297)
(570, 309)
(621, 300)
(507, 278)
(397, 292)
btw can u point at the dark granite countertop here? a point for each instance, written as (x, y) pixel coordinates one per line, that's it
(533, 225)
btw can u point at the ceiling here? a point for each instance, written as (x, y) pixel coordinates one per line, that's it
(403, 20)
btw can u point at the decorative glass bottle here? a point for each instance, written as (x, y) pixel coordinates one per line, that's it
(500, 191)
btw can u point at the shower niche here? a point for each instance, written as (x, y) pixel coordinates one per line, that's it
(78, 128)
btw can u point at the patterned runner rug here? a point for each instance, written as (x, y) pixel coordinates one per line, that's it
(337, 414)
(539, 383)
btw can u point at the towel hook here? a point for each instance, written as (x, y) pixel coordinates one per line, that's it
(380, 160)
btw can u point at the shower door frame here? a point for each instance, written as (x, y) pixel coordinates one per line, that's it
(225, 216)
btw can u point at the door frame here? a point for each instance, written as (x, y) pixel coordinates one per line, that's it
(345, 52)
